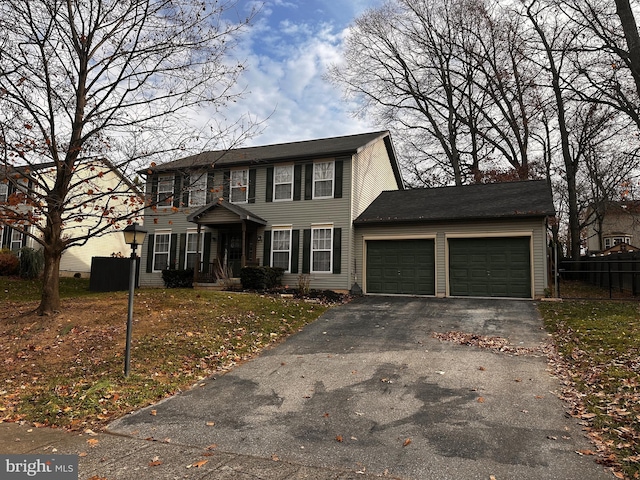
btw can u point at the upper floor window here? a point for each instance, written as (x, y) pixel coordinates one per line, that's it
(321, 249)
(198, 189)
(613, 241)
(4, 192)
(161, 249)
(283, 183)
(239, 188)
(281, 249)
(165, 190)
(323, 175)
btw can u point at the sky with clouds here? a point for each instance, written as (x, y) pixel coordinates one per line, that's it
(287, 51)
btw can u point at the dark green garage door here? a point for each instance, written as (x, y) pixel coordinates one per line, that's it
(490, 267)
(401, 266)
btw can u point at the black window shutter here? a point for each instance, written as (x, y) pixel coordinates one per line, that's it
(297, 181)
(182, 251)
(295, 250)
(266, 257)
(226, 183)
(252, 185)
(337, 250)
(337, 188)
(308, 181)
(154, 189)
(172, 253)
(206, 252)
(177, 186)
(210, 187)
(306, 250)
(150, 253)
(269, 196)
(186, 183)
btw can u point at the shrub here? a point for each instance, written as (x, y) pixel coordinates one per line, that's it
(9, 263)
(261, 278)
(31, 262)
(178, 278)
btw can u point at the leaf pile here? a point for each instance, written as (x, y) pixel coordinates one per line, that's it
(67, 370)
(496, 344)
(598, 361)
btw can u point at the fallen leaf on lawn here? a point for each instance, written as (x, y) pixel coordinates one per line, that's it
(82, 454)
(93, 442)
(210, 424)
(538, 397)
(480, 399)
(406, 442)
(492, 477)
(482, 369)
(339, 438)
(155, 463)
(275, 458)
(213, 446)
(618, 474)
(88, 431)
(96, 477)
(588, 416)
(517, 380)
(325, 415)
(154, 412)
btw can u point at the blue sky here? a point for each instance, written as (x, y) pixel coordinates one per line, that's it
(287, 51)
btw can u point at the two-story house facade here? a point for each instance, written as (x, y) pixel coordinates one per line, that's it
(287, 205)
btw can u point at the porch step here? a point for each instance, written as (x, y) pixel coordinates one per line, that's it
(217, 286)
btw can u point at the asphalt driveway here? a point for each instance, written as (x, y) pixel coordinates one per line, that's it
(367, 388)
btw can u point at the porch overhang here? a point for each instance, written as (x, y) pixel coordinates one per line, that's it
(220, 212)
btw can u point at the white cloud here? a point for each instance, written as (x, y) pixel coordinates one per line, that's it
(286, 61)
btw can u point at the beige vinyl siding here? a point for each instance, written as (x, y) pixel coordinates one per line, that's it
(519, 227)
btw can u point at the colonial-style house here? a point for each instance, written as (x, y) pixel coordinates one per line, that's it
(335, 212)
(611, 224)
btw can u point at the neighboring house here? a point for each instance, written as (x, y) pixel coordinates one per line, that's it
(335, 210)
(101, 176)
(612, 224)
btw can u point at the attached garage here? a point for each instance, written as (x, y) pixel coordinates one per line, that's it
(490, 267)
(401, 267)
(485, 240)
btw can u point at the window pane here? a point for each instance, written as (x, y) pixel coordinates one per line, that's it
(321, 261)
(192, 258)
(283, 192)
(239, 186)
(281, 260)
(165, 189)
(283, 174)
(238, 195)
(323, 171)
(198, 190)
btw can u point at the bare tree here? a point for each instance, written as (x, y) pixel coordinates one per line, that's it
(84, 80)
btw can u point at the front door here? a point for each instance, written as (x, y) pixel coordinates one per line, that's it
(231, 251)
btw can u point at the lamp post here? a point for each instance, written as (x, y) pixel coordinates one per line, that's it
(134, 236)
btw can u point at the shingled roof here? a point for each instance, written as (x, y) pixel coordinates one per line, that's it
(470, 202)
(303, 150)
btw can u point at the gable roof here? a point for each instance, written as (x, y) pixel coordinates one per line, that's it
(308, 150)
(469, 202)
(242, 213)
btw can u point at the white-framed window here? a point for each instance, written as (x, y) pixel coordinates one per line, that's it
(16, 240)
(321, 249)
(4, 192)
(161, 249)
(165, 190)
(198, 189)
(323, 176)
(281, 248)
(239, 188)
(613, 241)
(283, 183)
(191, 254)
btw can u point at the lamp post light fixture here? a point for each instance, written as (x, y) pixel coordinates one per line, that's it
(134, 236)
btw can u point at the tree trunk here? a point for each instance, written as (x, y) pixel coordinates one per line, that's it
(630, 29)
(50, 300)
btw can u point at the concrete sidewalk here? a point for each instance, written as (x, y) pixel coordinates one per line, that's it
(363, 392)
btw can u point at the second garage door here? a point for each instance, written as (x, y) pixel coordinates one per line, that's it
(490, 267)
(401, 267)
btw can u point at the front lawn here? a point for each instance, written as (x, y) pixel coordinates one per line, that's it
(67, 370)
(599, 360)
